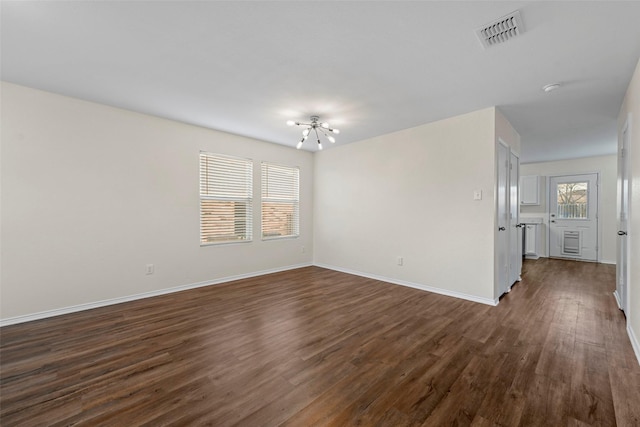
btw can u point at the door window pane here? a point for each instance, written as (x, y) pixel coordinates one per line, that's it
(573, 200)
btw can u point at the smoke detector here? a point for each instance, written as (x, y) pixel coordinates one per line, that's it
(501, 30)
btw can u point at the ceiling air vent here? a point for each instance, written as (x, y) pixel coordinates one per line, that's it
(501, 30)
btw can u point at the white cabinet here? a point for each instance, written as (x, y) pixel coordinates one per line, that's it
(531, 240)
(532, 229)
(530, 190)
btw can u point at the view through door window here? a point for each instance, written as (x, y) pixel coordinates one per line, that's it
(573, 200)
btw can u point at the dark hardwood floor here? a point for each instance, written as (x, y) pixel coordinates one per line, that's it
(318, 347)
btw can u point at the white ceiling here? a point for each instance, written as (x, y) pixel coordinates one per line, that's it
(367, 67)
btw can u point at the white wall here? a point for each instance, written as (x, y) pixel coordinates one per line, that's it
(507, 133)
(608, 168)
(410, 194)
(631, 105)
(90, 194)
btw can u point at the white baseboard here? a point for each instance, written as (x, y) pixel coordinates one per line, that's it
(617, 297)
(634, 341)
(632, 336)
(601, 261)
(103, 303)
(413, 285)
(81, 307)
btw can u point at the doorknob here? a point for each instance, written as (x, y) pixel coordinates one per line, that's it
(501, 228)
(622, 233)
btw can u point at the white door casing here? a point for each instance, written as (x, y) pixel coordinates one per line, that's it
(502, 212)
(573, 217)
(622, 252)
(515, 232)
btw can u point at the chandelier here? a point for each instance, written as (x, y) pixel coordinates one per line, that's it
(315, 126)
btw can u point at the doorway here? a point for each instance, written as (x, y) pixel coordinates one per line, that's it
(573, 217)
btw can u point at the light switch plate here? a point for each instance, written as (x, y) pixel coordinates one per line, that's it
(477, 195)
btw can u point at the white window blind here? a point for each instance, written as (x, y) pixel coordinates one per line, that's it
(226, 192)
(280, 201)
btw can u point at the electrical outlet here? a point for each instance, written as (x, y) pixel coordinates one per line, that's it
(149, 269)
(302, 249)
(400, 261)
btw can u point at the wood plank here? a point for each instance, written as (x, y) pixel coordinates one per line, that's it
(318, 347)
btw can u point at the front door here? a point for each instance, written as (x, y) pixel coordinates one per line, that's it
(622, 254)
(573, 217)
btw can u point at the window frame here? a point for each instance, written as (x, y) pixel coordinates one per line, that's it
(244, 166)
(295, 201)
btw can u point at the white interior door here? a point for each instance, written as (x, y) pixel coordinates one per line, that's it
(502, 250)
(622, 253)
(573, 217)
(515, 232)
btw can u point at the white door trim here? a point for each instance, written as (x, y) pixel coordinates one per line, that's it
(515, 239)
(625, 134)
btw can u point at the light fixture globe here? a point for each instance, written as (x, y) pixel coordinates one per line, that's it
(314, 126)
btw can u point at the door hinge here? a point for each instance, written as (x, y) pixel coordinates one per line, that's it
(623, 152)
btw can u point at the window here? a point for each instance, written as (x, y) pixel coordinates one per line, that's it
(573, 200)
(280, 201)
(226, 191)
